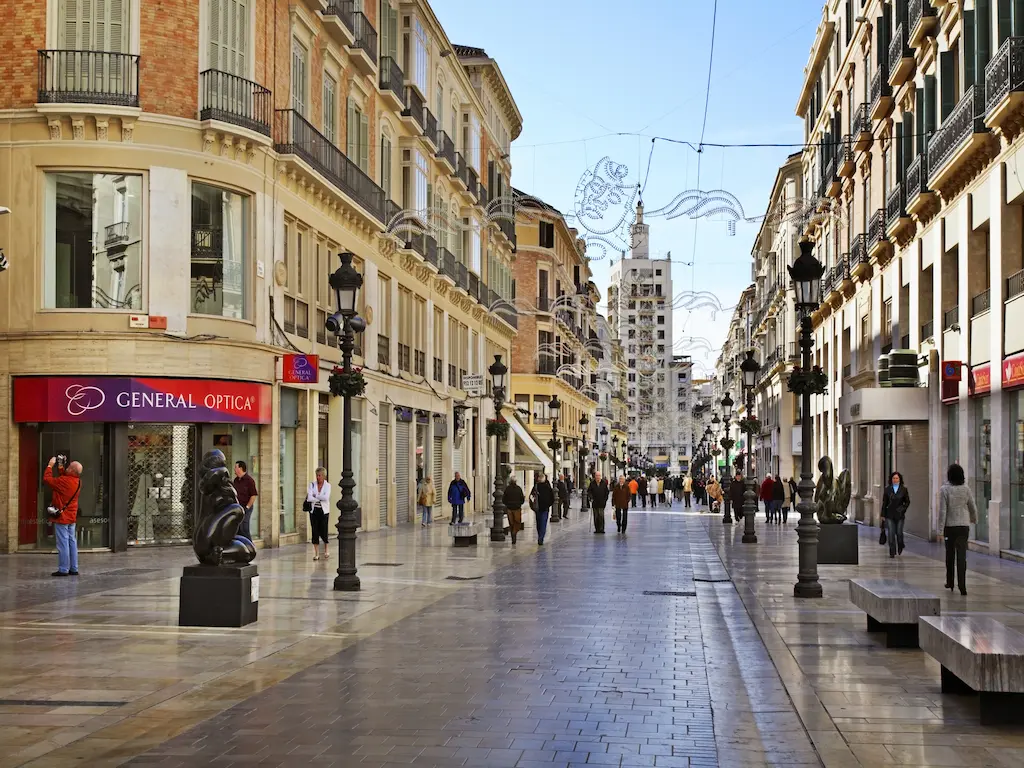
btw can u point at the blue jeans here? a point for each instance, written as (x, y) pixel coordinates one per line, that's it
(67, 547)
(426, 514)
(458, 513)
(895, 535)
(243, 529)
(542, 524)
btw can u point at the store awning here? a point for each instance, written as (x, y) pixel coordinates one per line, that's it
(529, 454)
(883, 405)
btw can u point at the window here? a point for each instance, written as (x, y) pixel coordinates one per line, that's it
(93, 241)
(471, 140)
(358, 129)
(887, 322)
(299, 78)
(475, 245)
(220, 245)
(384, 305)
(439, 104)
(661, 334)
(387, 22)
(84, 26)
(661, 319)
(420, 58)
(227, 34)
(405, 322)
(385, 165)
(547, 234)
(415, 175)
(330, 107)
(438, 345)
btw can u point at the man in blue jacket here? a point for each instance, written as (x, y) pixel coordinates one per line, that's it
(458, 495)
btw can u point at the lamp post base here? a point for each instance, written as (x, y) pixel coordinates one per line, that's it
(809, 589)
(346, 583)
(497, 534)
(749, 538)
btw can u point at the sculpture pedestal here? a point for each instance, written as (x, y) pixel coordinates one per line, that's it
(219, 596)
(837, 544)
(463, 534)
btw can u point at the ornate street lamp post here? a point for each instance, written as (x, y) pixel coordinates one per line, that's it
(604, 450)
(582, 477)
(727, 444)
(806, 274)
(749, 368)
(498, 370)
(344, 323)
(615, 455)
(555, 407)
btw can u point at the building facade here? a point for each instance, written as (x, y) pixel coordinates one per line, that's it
(557, 350)
(728, 379)
(682, 413)
(913, 119)
(640, 303)
(180, 194)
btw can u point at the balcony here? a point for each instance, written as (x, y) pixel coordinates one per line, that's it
(363, 49)
(474, 286)
(383, 350)
(896, 218)
(431, 251)
(546, 367)
(878, 243)
(846, 164)
(859, 259)
(391, 212)
(232, 99)
(862, 135)
(1015, 285)
(881, 95)
(446, 262)
(959, 138)
(338, 21)
(414, 107)
(472, 183)
(901, 57)
(462, 276)
(922, 20)
(430, 128)
(1004, 84)
(392, 84)
(446, 151)
(460, 176)
(980, 340)
(116, 235)
(481, 195)
(88, 77)
(928, 330)
(293, 135)
(833, 183)
(980, 303)
(918, 193)
(950, 317)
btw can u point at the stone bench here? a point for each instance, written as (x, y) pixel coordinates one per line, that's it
(979, 655)
(463, 534)
(893, 607)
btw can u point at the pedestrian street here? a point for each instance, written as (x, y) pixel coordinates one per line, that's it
(674, 645)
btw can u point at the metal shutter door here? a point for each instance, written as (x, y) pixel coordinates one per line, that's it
(402, 473)
(382, 473)
(438, 460)
(457, 460)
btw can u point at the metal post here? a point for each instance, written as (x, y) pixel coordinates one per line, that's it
(347, 579)
(498, 504)
(807, 584)
(750, 496)
(555, 467)
(726, 484)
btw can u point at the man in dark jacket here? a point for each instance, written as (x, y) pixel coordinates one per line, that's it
(736, 491)
(598, 493)
(642, 489)
(563, 498)
(514, 500)
(779, 500)
(458, 495)
(620, 500)
(541, 498)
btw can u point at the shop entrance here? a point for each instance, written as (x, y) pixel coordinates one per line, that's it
(161, 465)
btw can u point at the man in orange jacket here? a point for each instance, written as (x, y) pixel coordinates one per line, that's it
(634, 486)
(65, 489)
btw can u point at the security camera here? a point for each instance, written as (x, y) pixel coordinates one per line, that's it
(335, 323)
(357, 324)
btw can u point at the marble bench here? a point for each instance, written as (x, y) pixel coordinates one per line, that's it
(893, 607)
(463, 534)
(979, 655)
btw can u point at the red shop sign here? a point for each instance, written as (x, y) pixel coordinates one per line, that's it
(300, 369)
(980, 379)
(126, 399)
(1013, 371)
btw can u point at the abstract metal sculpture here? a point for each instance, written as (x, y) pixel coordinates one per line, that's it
(216, 540)
(832, 494)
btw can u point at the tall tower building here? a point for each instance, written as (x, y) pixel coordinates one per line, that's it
(640, 311)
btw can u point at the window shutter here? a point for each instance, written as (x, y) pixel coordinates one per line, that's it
(385, 49)
(970, 53)
(239, 40)
(897, 155)
(1003, 20)
(392, 26)
(352, 132)
(908, 145)
(947, 64)
(385, 166)
(919, 116)
(111, 25)
(364, 143)
(930, 102)
(214, 32)
(1017, 18)
(982, 38)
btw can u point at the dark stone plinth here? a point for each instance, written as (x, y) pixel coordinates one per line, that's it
(219, 596)
(837, 545)
(465, 541)
(896, 635)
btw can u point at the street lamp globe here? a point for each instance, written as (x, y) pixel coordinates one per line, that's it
(715, 421)
(554, 406)
(727, 407)
(584, 421)
(749, 368)
(346, 283)
(806, 274)
(615, 440)
(498, 370)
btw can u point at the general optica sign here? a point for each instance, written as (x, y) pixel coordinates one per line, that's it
(126, 399)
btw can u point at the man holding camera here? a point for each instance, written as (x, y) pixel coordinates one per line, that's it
(65, 486)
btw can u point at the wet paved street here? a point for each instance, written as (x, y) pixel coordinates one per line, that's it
(539, 656)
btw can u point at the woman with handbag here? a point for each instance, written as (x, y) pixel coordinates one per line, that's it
(895, 502)
(426, 501)
(542, 497)
(318, 505)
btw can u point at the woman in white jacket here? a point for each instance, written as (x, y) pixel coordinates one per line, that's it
(318, 504)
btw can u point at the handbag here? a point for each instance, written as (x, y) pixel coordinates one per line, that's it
(882, 538)
(307, 506)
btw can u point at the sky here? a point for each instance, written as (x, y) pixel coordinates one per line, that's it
(583, 70)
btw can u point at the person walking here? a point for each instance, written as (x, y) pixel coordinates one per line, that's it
(426, 501)
(620, 500)
(318, 505)
(687, 490)
(65, 488)
(779, 500)
(895, 502)
(661, 492)
(598, 493)
(542, 497)
(563, 497)
(642, 490)
(714, 491)
(957, 511)
(514, 500)
(765, 495)
(794, 496)
(634, 487)
(700, 491)
(736, 491)
(245, 490)
(458, 495)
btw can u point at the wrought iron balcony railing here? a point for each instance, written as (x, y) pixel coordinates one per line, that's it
(899, 49)
(431, 250)
(919, 10)
(876, 228)
(895, 204)
(116, 234)
(365, 35)
(1015, 284)
(343, 9)
(446, 148)
(430, 126)
(415, 108)
(950, 318)
(294, 135)
(859, 250)
(447, 263)
(391, 210)
(880, 88)
(980, 303)
(928, 330)
(88, 77)
(965, 119)
(917, 177)
(862, 121)
(462, 276)
(461, 169)
(235, 100)
(392, 78)
(1005, 73)
(845, 157)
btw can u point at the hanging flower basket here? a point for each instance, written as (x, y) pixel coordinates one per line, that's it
(351, 384)
(716, 452)
(750, 426)
(812, 382)
(728, 443)
(603, 456)
(497, 428)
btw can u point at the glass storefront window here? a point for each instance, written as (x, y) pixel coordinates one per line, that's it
(286, 480)
(93, 241)
(161, 483)
(953, 433)
(983, 466)
(1017, 470)
(238, 442)
(220, 231)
